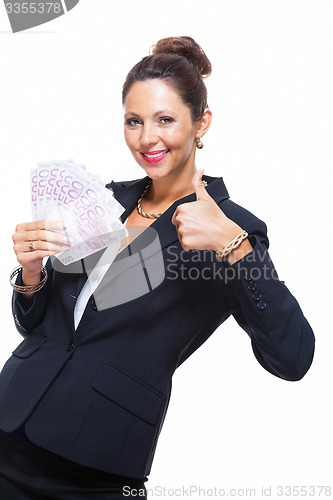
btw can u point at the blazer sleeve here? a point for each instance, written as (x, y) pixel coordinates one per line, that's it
(27, 318)
(282, 339)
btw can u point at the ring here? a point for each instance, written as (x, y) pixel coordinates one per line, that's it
(31, 247)
(203, 183)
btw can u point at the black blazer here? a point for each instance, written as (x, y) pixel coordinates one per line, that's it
(98, 395)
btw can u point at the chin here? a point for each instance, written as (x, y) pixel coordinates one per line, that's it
(155, 172)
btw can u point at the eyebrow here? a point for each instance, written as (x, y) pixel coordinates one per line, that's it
(158, 113)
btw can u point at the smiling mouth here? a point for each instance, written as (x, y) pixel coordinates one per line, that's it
(156, 154)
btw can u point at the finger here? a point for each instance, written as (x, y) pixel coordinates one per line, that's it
(198, 186)
(49, 236)
(27, 238)
(28, 258)
(179, 235)
(35, 246)
(173, 220)
(180, 212)
(50, 225)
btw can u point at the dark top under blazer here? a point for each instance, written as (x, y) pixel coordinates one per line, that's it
(98, 395)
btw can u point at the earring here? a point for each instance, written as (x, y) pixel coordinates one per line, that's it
(199, 143)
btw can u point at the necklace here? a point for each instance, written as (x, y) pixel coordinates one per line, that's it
(139, 207)
(151, 215)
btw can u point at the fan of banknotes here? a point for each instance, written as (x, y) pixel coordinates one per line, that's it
(68, 192)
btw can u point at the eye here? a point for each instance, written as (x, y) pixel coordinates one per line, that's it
(166, 120)
(132, 122)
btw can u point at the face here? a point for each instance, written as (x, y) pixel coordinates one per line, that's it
(159, 130)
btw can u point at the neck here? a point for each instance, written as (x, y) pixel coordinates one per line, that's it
(171, 188)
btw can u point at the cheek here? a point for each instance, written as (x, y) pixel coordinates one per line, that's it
(180, 139)
(129, 139)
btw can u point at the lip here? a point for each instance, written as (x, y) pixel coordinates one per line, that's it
(151, 158)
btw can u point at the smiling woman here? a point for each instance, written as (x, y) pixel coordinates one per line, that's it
(177, 111)
(166, 115)
(89, 426)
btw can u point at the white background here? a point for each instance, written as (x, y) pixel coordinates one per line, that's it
(230, 424)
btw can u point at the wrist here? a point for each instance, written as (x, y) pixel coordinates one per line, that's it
(227, 231)
(30, 278)
(238, 253)
(236, 248)
(32, 287)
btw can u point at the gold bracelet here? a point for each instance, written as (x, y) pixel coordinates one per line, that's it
(232, 245)
(29, 288)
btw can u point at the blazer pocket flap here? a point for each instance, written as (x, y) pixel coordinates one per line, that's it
(129, 393)
(29, 345)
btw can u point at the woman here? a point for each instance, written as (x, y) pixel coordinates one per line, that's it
(83, 398)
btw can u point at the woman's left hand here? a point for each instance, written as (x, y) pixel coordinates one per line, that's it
(201, 224)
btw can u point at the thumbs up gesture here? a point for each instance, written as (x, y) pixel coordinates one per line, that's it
(201, 225)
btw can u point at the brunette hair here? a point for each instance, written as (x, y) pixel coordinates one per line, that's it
(179, 62)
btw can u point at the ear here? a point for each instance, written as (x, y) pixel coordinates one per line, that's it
(204, 123)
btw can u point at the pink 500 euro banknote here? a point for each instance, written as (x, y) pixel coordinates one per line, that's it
(65, 191)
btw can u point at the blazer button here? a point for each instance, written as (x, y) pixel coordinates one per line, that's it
(252, 286)
(261, 305)
(256, 296)
(70, 346)
(93, 305)
(247, 277)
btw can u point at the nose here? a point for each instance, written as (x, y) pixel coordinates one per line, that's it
(148, 135)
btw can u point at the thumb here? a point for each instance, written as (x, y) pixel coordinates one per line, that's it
(198, 186)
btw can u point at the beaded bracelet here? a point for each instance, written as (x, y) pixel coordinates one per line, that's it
(29, 288)
(232, 245)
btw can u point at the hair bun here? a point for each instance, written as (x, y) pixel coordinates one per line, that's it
(186, 47)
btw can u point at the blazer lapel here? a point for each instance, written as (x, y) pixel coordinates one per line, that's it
(128, 193)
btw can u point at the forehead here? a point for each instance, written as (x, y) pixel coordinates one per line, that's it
(151, 95)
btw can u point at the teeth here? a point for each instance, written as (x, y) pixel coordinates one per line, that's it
(158, 154)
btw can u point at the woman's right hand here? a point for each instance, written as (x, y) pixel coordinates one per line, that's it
(35, 240)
